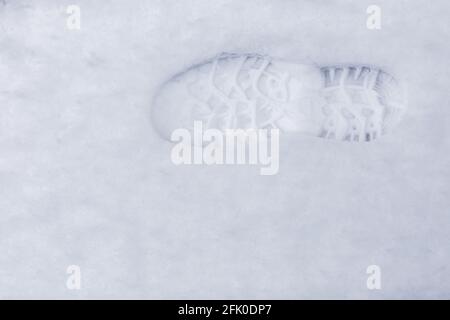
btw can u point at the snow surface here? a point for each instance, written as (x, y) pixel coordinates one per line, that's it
(85, 180)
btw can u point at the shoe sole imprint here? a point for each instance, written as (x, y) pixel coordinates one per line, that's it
(251, 91)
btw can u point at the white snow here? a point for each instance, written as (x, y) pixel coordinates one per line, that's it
(85, 180)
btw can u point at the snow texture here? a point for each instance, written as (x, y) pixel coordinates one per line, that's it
(85, 180)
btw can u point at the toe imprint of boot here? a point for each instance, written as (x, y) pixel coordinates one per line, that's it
(234, 93)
